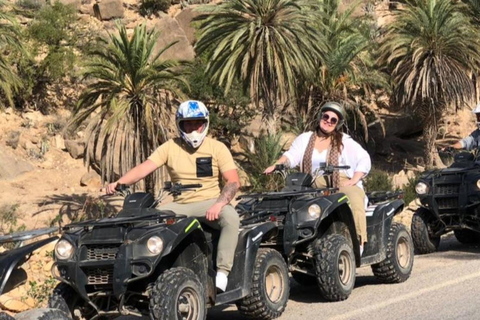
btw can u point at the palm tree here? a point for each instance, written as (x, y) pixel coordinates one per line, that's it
(472, 10)
(431, 47)
(9, 81)
(128, 100)
(263, 43)
(346, 71)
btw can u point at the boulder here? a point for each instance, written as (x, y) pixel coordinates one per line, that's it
(109, 9)
(91, 179)
(400, 179)
(11, 166)
(59, 142)
(170, 31)
(75, 148)
(184, 19)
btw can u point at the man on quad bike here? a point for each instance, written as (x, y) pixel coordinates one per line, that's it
(194, 158)
(327, 144)
(472, 141)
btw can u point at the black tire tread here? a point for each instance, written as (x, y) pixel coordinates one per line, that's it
(326, 264)
(62, 295)
(422, 242)
(165, 288)
(386, 271)
(42, 314)
(253, 306)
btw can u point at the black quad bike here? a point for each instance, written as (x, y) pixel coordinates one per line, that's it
(146, 261)
(12, 274)
(449, 201)
(316, 231)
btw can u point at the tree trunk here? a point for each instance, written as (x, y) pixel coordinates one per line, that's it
(429, 136)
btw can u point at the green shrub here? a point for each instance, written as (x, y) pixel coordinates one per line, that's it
(9, 223)
(41, 291)
(30, 4)
(267, 150)
(378, 180)
(409, 189)
(150, 7)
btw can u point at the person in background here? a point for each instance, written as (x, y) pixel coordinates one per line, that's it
(194, 158)
(328, 145)
(472, 141)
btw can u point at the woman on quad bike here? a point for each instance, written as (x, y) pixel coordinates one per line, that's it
(194, 158)
(328, 145)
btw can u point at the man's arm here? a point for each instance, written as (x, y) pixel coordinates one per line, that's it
(232, 184)
(134, 175)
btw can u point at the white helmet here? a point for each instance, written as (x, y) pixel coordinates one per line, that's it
(192, 110)
(476, 111)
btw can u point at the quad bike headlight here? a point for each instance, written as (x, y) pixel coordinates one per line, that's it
(421, 188)
(155, 244)
(63, 250)
(478, 184)
(314, 211)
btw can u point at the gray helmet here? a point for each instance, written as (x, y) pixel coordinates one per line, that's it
(337, 108)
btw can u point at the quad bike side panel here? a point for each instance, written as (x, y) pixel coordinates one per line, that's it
(13, 258)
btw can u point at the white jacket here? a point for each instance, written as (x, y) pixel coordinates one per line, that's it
(352, 155)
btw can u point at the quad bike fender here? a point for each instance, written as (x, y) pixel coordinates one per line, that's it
(183, 230)
(17, 257)
(240, 277)
(176, 249)
(334, 208)
(379, 223)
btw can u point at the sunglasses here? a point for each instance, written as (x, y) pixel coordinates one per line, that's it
(327, 118)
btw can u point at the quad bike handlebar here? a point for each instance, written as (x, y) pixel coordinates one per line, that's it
(176, 189)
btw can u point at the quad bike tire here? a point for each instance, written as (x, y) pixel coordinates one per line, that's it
(466, 236)
(63, 298)
(270, 287)
(4, 316)
(334, 266)
(422, 241)
(42, 314)
(398, 264)
(178, 294)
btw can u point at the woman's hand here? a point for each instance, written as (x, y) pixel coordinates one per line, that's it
(110, 188)
(348, 183)
(269, 169)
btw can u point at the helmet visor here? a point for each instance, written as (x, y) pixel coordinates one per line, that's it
(191, 125)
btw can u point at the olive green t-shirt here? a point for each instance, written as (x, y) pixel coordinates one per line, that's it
(203, 165)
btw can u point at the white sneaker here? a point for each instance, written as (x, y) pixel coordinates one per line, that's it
(361, 250)
(221, 281)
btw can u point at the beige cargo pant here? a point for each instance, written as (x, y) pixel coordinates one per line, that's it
(356, 195)
(228, 223)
